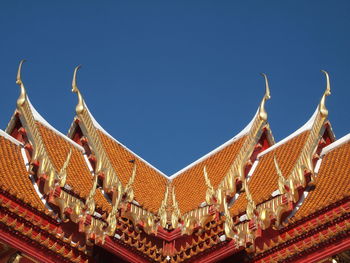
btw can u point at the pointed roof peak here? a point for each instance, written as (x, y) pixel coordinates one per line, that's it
(23, 95)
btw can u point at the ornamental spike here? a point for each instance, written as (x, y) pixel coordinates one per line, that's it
(23, 95)
(267, 96)
(210, 189)
(322, 107)
(128, 189)
(281, 180)
(80, 106)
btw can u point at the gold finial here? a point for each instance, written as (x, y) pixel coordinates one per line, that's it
(23, 95)
(267, 96)
(322, 107)
(80, 106)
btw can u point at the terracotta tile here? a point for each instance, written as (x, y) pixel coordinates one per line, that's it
(14, 177)
(149, 186)
(78, 173)
(190, 185)
(264, 180)
(331, 184)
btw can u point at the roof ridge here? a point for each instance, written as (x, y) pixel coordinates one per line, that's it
(305, 127)
(336, 144)
(10, 138)
(44, 122)
(100, 128)
(217, 149)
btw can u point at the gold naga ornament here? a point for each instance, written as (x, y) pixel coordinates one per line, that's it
(169, 212)
(217, 199)
(289, 186)
(121, 197)
(40, 154)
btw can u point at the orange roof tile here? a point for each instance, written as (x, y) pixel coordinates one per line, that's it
(190, 187)
(14, 177)
(264, 180)
(331, 184)
(78, 174)
(149, 185)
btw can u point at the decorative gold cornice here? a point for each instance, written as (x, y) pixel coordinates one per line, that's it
(28, 121)
(227, 187)
(236, 171)
(290, 185)
(304, 162)
(103, 165)
(111, 183)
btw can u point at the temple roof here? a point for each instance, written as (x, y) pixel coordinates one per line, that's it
(250, 194)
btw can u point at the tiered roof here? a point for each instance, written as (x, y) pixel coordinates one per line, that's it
(63, 196)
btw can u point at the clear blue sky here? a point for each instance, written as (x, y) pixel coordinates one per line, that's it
(172, 80)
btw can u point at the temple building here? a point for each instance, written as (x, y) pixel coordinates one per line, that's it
(85, 197)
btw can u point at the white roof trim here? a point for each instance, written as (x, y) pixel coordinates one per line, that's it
(98, 126)
(305, 127)
(9, 137)
(335, 144)
(235, 138)
(40, 119)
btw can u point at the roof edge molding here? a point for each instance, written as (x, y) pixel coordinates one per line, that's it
(217, 198)
(104, 168)
(41, 162)
(260, 115)
(301, 176)
(26, 115)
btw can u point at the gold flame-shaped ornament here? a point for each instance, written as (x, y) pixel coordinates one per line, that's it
(282, 182)
(267, 96)
(322, 107)
(210, 189)
(129, 191)
(80, 106)
(23, 95)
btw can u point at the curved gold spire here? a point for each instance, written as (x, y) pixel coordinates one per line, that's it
(322, 107)
(80, 106)
(267, 96)
(23, 95)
